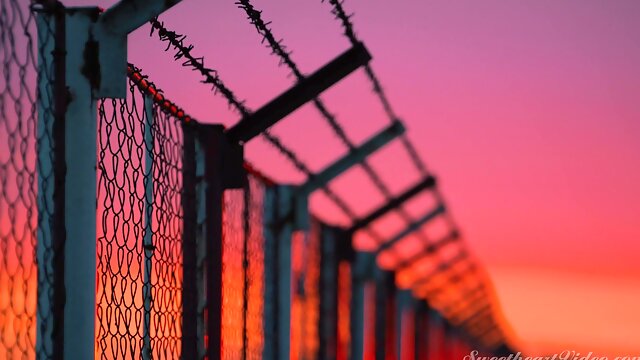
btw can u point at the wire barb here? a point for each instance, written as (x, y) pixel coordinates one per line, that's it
(182, 51)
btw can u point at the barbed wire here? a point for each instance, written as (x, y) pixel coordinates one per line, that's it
(277, 48)
(183, 50)
(177, 41)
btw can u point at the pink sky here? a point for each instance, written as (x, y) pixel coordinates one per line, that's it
(527, 111)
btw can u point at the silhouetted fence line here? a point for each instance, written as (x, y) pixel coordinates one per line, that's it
(131, 230)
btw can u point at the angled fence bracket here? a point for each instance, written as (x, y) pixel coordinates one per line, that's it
(427, 183)
(106, 50)
(355, 156)
(411, 228)
(304, 91)
(362, 271)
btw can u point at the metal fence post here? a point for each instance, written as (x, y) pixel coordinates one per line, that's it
(361, 273)
(405, 315)
(51, 157)
(191, 289)
(436, 337)
(329, 267)
(385, 314)
(67, 126)
(279, 221)
(217, 165)
(422, 330)
(381, 314)
(210, 138)
(147, 242)
(270, 276)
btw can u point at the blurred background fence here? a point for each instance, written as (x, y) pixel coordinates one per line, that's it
(197, 254)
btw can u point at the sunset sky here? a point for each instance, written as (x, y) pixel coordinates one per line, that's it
(527, 111)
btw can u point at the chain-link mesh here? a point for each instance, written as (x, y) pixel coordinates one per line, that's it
(140, 222)
(139, 269)
(27, 112)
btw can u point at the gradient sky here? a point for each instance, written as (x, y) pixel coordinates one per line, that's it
(527, 111)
